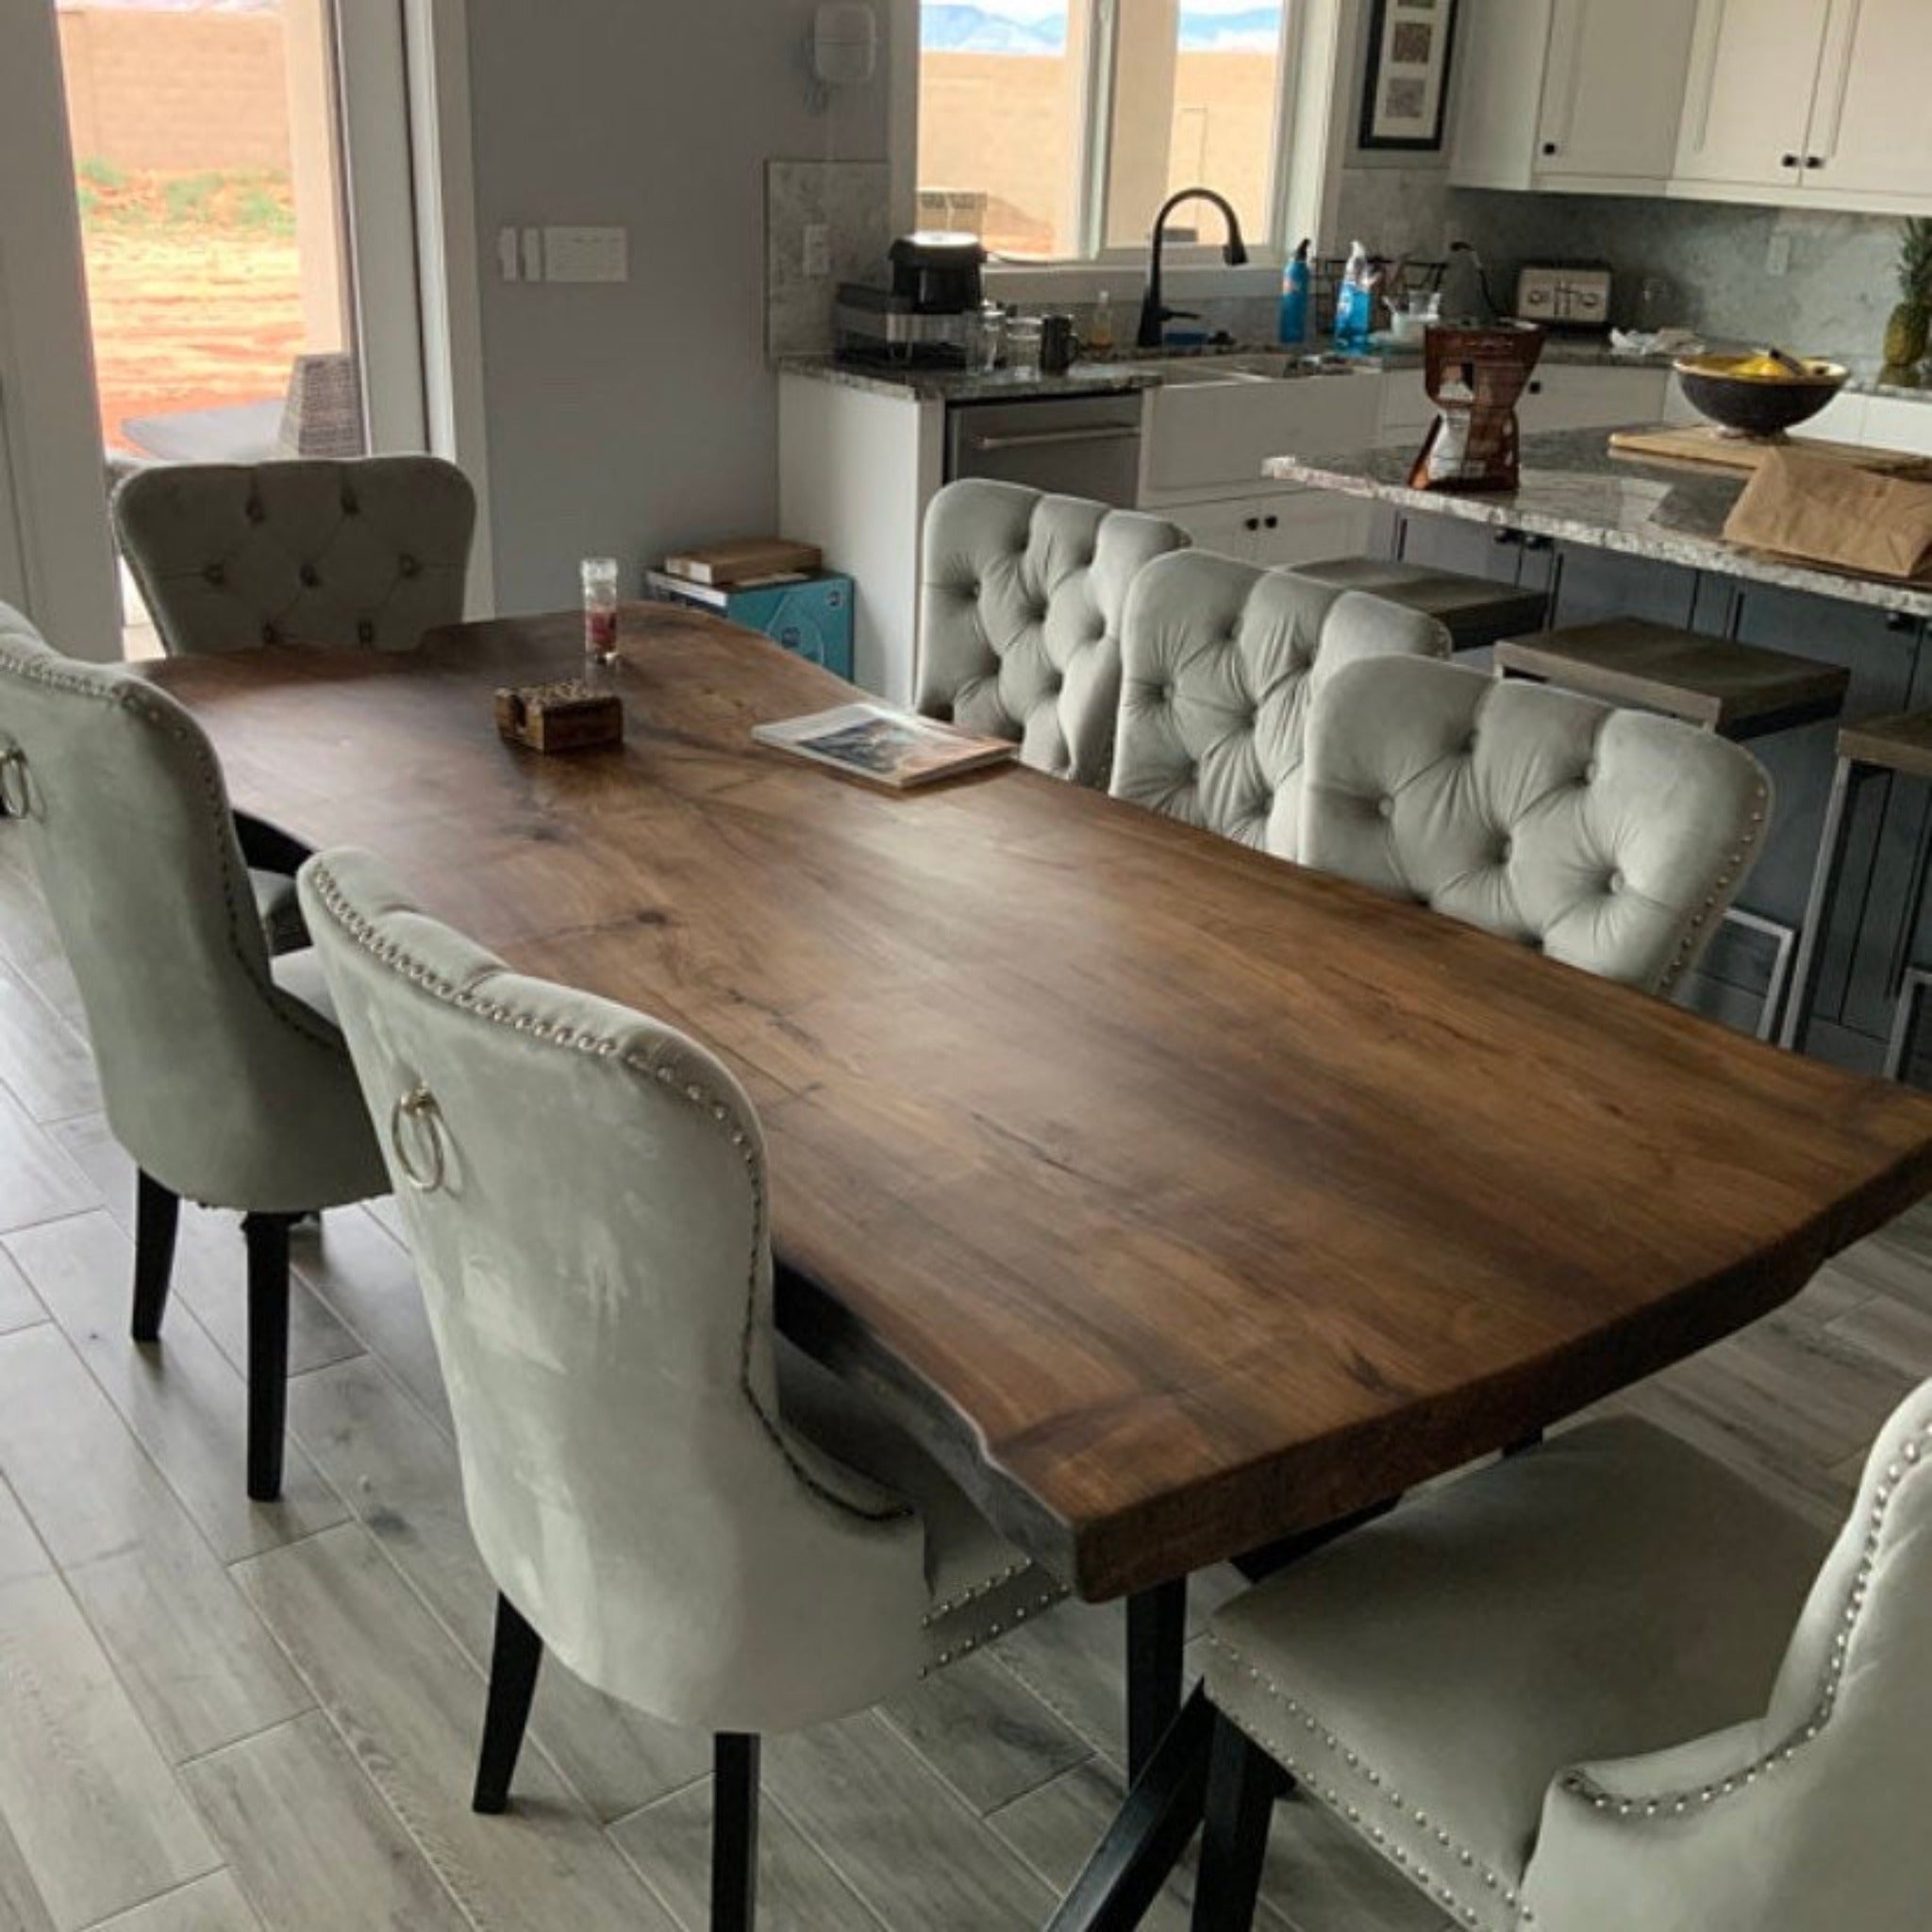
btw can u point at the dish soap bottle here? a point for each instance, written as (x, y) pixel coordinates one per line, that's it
(1352, 302)
(1100, 330)
(1294, 298)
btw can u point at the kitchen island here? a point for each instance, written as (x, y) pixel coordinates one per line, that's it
(1610, 535)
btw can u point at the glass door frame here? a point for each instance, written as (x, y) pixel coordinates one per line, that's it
(402, 71)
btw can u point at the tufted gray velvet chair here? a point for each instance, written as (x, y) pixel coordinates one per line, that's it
(371, 552)
(1606, 1686)
(223, 1074)
(692, 1516)
(1019, 616)
(1611, 839)
(1222, 661)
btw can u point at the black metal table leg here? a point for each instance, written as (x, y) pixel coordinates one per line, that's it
(1157, 1635)
(1150, 1832)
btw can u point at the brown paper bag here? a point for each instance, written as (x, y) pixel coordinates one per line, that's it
(1827, 510)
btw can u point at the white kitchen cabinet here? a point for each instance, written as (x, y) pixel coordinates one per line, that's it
(1898, 423)
(1584, 96)
(1580, 396)
(1203, 440)
(1280, 530)
(1870, 135)
(1818, 103)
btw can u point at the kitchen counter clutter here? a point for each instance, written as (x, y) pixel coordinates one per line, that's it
(1574, 490)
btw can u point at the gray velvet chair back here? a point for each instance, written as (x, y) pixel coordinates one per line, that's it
(202, 1058)
(1611, 839)
(1020, 617)
(1811, 1817)
(228, 555)
(1222, 661)
(591, 1235)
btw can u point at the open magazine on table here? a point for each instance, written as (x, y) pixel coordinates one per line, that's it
(883, 744)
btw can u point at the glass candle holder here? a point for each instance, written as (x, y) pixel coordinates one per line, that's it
(600, 609)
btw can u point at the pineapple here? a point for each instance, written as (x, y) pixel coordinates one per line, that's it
(1906, 333)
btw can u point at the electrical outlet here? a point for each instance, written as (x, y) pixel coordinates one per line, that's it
(818, 251)
(1777, 257)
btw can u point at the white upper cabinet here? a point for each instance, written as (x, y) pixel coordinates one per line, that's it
(1870, 143)
(1577, 94)
(1754, 64)
(1825, 102)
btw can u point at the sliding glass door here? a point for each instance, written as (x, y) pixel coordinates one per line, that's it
(201, 159)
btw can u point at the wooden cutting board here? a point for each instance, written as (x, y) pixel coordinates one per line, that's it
(1703, 444)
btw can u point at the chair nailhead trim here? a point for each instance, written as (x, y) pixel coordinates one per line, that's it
(739, 1132)
(1410, 1862)
(147, 705)
(1914, 1455)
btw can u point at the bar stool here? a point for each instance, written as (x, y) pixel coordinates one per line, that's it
(1878, 747)
(1475, 611)
(1734, 690)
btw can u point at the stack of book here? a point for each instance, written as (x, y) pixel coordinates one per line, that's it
(709, 575)
(767, 585)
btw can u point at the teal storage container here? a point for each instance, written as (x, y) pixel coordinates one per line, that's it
(812, 619)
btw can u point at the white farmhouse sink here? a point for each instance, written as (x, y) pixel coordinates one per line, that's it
(1213, 427)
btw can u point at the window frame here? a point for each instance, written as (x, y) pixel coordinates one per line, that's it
(1098, 264)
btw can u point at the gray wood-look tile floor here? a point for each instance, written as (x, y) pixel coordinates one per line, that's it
(217, 1716)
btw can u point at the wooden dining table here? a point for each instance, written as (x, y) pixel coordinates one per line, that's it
(1179, 1200)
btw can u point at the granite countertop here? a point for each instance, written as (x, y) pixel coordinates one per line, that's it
(1128, 371)
(1573, 491)
(968, 386)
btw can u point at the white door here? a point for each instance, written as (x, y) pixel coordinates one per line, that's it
(1747, 106)
(1872, 129)
(1613, 94)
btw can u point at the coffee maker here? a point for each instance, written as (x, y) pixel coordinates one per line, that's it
(926, 318)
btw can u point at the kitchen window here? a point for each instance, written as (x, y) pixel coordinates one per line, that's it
(1054, 129)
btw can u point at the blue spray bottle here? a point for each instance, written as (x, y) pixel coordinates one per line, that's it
(1294, 298)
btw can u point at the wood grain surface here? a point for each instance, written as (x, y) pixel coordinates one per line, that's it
(1179, 1197)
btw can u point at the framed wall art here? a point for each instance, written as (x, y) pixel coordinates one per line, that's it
(1405, 88)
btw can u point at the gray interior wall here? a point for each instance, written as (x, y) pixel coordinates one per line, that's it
(629, 419)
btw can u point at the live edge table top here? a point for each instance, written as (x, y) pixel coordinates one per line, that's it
(1178, 1198)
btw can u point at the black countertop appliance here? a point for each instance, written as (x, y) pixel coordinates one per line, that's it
(937, 273)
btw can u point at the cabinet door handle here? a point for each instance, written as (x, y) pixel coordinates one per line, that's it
(1549, 147)
(1251, 523)
(1814, 160)
(1270, 523)
(1788, 162)
(1535, 389)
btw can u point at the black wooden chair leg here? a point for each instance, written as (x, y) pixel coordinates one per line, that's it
(267, 1236)
(157, 1216)
(513, 1664)
(734, 1832)
(1241, 1788)
(1157, 1636)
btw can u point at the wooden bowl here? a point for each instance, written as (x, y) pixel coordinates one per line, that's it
(1756, 404)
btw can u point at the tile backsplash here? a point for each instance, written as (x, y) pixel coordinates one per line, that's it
(1837, 288)
(853, 202)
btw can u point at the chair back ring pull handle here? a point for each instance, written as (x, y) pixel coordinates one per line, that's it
(13, 792)
(418, 1108)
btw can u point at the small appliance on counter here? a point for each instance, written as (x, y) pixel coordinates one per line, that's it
(1565, 294)
(927, 318)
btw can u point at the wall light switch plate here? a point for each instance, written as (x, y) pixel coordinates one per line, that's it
(817, 263)
(587, 255)
(1777, 257)
(533, 254)
(509, 262)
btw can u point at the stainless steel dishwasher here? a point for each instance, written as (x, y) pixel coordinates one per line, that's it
(1072, 445)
